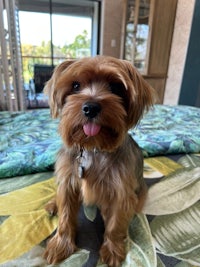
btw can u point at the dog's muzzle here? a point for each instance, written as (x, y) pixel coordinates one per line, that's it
(91, 109)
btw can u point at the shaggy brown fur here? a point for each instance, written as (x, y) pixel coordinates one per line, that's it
(98, 100)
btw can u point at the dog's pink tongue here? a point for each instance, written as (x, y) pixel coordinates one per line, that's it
(91, 129)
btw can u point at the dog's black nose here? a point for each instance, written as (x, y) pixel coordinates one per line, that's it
(91, 109)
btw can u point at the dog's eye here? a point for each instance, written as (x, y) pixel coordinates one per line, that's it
(117, 89)
(75, 86)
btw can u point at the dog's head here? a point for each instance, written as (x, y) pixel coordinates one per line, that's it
(98, 99)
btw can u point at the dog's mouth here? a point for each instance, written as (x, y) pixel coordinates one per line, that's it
(91, 129)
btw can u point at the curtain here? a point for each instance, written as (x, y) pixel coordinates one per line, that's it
(12, 93)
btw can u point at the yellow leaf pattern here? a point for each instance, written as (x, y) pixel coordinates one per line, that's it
(28, 223)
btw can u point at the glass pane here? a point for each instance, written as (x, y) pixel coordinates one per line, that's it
(35, 41)
(71, 37)
(47, 40)
(137, 29)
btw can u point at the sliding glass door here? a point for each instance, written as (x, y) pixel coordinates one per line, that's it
(52, 31)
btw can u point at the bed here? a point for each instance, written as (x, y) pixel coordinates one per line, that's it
(167, 233)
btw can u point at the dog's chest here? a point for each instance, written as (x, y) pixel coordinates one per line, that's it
(92, 171)
(88, 163)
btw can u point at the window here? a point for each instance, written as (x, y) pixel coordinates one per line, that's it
(137, 32)
(50, 34)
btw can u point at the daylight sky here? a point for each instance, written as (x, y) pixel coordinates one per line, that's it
(35, 28)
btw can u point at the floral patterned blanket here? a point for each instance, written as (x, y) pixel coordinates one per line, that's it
(166, 233)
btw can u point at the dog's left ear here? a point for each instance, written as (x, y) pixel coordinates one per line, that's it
(141, 94)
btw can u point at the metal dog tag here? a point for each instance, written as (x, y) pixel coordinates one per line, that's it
(81, 172)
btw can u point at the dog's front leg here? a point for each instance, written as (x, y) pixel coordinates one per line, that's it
(62, 245)
(116, 219)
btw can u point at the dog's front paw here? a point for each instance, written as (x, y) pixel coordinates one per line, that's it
(51, 207)
(112, 253)
(58, 249)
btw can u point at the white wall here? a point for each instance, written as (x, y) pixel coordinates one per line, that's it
(179, 47)
(111, 27)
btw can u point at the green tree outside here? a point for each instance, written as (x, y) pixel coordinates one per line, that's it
(32, 55)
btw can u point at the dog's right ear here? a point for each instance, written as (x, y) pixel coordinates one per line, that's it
(51, 89)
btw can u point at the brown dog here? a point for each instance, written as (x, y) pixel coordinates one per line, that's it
(98, 100)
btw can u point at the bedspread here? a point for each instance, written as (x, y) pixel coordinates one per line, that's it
(165, 234)
(29, 141)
